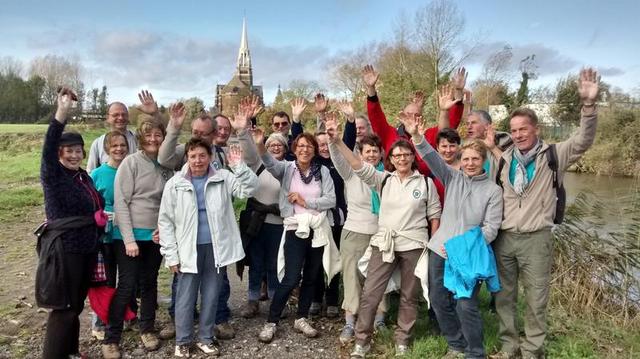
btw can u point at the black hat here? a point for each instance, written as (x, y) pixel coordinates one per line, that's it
(70, 139)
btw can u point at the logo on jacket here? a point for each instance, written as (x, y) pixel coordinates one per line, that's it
(417, 193)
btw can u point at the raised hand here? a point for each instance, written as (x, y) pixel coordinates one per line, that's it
(468, 100)
(346, 107)
(418, 98)
(66, 98)
(331, 127)
(588, 86)
(412, 124)
(258, 136)
(446, 97)
(298, 105)
(490, 137)
(240, 120)
(177, 114)
(321, 103)
(147, 104)
(459, 79)
(251, 105)
(234, 157)
(370, 76)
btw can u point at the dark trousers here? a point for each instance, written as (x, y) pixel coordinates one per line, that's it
(298, 256)
(223, 312)
(63, 326)
(263, 251)
(143, 272)
(331, 293)
(459, 320)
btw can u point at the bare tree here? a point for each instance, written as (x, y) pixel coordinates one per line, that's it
(10, 66)
(497, 68)
(56, 71)
(346, 71)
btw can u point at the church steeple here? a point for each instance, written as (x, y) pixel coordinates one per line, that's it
(244, 57)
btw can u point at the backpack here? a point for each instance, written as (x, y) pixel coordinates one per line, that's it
(561, 194)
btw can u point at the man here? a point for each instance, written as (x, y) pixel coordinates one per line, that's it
(363, 127)
(524, 247)
(280, 123)
(118, 120)
(480, 126)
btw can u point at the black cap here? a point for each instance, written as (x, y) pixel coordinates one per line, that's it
(70, 139)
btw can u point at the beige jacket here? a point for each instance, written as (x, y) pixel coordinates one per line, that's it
(534, 210)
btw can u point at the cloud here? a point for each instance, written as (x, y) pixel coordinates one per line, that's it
(610, 71)
(549, 60)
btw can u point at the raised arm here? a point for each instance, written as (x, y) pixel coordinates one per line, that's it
(436, 164)
(50, 166)
(349, 135)
(341, 149)
(244, 183)
(275, 167)
(241, 122)
(320, 105)
(379, 125)
(169, 156)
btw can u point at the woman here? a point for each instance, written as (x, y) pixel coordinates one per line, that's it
(199, 237)
(69, 196)
(264, 225)
(306, 194)
(409, 205)
(137, 193)
(361, 224)
(472, 200)
(116, 147)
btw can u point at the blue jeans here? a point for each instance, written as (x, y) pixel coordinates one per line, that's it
(223, 313)
(263, 253)
(208, 281)
(459, 320)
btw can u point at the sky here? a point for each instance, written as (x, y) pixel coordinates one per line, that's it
(183, 49)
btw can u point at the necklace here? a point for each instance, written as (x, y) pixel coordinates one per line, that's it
(314, 172)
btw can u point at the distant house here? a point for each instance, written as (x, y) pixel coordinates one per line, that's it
(543, 110)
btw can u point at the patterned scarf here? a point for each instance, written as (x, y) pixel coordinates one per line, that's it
(314, 172)
(521, 181)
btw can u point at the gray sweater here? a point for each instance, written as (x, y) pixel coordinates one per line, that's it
(468, 201)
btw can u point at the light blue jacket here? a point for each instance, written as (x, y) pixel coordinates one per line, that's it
(283, 171)
(469, 260)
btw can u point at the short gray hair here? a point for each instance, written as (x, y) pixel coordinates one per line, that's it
(277, 136)
(484, 115)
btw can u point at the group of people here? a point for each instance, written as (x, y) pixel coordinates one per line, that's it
(378, 208)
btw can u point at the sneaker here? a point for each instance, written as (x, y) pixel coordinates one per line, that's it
(347, 333)
(379, 325)
(150, 341)
(505, 355)
(110, 351)
(250, 309)
(267, 333)
(333, 311)
(401, 350)
(168, 332)
(98, 333)
(131, 325)
(305, 328)
(209, 349)
(453, 354)
(182, 351)
(285, 312)
(360, 351)
(314, 309)
(224, 331)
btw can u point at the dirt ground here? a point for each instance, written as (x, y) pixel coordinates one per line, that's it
(22, 324)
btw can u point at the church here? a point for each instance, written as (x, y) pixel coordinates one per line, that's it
(241, 85)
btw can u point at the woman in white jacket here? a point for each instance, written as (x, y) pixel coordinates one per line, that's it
(199, 236)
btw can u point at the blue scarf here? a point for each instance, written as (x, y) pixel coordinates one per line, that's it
(375, 197)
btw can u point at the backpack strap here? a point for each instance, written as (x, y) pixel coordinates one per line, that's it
(499, 172)
(384, 182)
(260, 169)
(561, 194)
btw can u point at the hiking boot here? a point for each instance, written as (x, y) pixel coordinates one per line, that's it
(110, 351)
(333, 311)
(267, 333)
(209, 349)
(401, 350)
(264, 292)
(305, 328)
(453, 354)
(347, 333)
(150, 341)
(379, 325)
(131, 325)
(360, 351)
(285, 312)
(98, 333)
(250, 309)
(505, 355)
(224, 331)
(168, 332)
(182, 351)
(314, 309)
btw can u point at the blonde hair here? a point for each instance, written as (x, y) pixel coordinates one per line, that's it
(146, 126)
(476, 145)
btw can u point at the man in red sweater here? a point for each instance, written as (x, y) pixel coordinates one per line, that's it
(389, 134)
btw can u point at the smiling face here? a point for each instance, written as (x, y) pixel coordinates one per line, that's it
(276, 149)
(402, 159)
(280, 124)
(222, 132)
(118, 148)
(471, 162)
(371, 154)
(323, 145)
(152, 139)
(524, 133)
(304, 151)
(447, 150)
(71, 156)
(199, 160)
(203, 129)
(118, 117)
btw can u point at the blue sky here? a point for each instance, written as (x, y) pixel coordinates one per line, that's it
(183, 49)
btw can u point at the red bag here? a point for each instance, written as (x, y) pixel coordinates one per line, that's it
(100, 300)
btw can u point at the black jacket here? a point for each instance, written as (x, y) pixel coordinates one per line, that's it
(51, 288)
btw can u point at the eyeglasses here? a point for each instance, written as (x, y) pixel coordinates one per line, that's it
(305, 146)
(199, 134)
(398, 156)
(275, 145)
(280, 124)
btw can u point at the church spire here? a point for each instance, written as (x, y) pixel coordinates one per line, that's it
(244, 57)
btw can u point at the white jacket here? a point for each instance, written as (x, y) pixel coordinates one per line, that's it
(178, 219)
